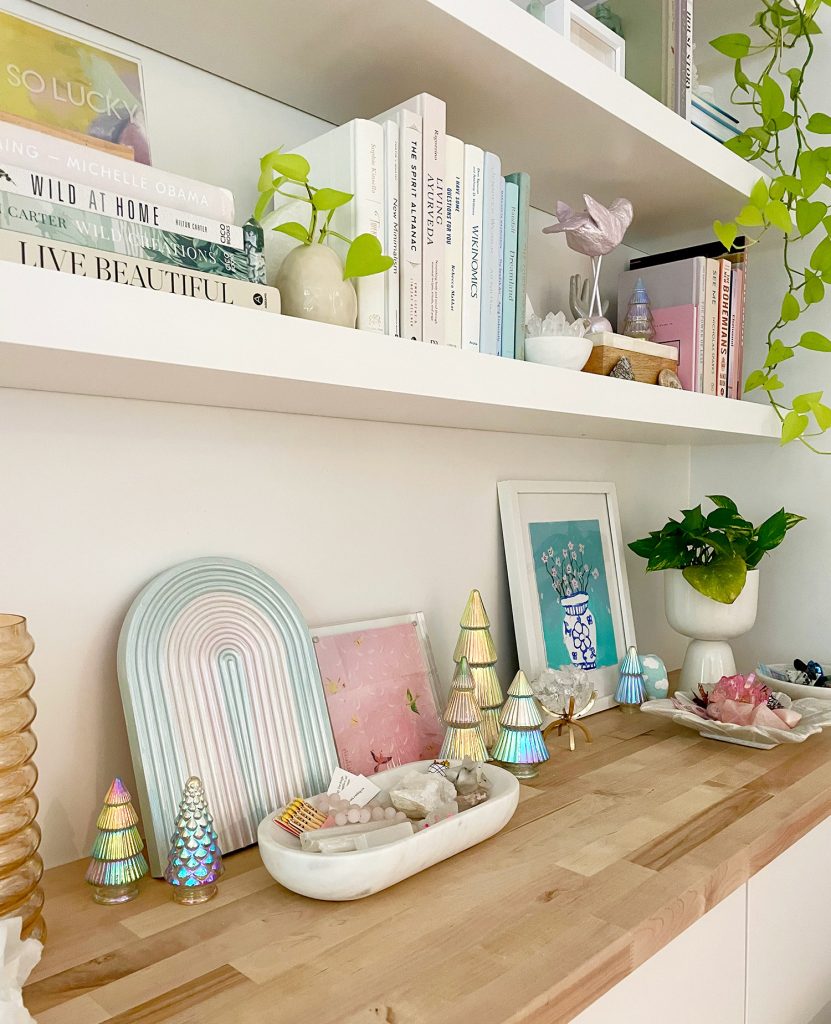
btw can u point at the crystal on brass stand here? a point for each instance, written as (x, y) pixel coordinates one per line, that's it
(567, 719)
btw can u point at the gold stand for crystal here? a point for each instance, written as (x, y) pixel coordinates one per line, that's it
(566, 719)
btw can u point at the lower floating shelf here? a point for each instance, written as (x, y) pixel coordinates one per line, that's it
(65, 334)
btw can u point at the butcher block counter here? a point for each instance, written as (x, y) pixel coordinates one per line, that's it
(614, 851)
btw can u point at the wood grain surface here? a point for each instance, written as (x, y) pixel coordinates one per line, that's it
(612, 852)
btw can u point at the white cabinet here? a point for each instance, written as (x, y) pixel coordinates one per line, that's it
(682, 983)
(789, 934)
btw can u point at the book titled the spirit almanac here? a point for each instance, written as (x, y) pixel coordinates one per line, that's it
(116, 269)
(67, 224)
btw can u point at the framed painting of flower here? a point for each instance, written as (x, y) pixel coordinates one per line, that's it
(569, 592)
(379, 681)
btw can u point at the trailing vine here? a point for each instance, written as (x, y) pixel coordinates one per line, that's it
(783, 140)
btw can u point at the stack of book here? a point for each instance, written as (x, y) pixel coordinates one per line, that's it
(78, 208)
(698, 300)
(714, 121)
(455, 226)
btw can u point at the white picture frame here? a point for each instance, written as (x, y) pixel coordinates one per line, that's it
(581, 519)
(581, 28)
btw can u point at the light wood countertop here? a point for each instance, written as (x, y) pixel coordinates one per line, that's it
(613, 851)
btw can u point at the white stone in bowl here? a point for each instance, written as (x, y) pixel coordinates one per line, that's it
(567, 353)
(359, 873)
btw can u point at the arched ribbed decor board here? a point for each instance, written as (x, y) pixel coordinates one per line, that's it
(218, 678)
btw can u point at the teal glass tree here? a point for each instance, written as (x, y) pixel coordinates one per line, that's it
(520, 747)
(194, 863)
(630, 693)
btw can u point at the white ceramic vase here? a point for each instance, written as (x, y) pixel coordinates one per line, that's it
(312, 287)
(710, 624)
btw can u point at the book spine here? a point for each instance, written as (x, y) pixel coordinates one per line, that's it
(700, 292)
(86, 199)
(433, 241)
(509, 279)
(668, 57)
(683, 15)
(501, 271)
(725, 273)
(391, 229)
(454, 239)
(491, 241)
(34, 151)
(523, 182)
(711, 327)
(368, 214)
(68, 224)
(133, 273)
(472, 267)
(734, 322)
(409, 183)
(738, 360)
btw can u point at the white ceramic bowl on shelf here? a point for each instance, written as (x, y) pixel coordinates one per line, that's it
(793, 690)
(359, 873)
(567, 353)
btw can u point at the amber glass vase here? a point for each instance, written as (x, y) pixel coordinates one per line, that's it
(20, 864)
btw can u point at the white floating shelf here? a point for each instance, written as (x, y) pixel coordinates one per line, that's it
(512, 85)
(64, 334)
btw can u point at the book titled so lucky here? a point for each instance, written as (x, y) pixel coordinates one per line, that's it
(113, 268)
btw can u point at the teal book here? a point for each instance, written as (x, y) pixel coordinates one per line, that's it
(509, 299)
(58, 223)
(523, 182)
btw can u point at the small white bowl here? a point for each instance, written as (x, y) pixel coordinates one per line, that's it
(794, 690)
(567, 353)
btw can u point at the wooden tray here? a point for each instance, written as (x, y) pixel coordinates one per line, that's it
(647, 358)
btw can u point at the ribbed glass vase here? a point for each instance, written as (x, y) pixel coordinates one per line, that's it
(20, 864)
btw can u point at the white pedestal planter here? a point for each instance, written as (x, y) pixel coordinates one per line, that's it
(710, 624)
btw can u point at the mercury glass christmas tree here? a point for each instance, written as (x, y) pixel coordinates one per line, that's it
(476, 645)
(639, 322)
(117, 861)
(194, 863)
(630, 693)
(463, 719)
(520, 746)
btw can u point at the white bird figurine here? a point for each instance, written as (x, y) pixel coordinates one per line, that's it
(595, 231)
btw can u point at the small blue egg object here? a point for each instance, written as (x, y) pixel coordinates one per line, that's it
(655, 679)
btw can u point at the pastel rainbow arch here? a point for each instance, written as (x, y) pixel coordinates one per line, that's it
(218, 679)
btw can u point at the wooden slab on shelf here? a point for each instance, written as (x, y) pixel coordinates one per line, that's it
(604, 358)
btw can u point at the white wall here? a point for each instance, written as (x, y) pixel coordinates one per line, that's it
(356, 520)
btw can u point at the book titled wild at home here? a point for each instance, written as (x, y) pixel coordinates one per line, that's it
(68, 224)
(113, 268)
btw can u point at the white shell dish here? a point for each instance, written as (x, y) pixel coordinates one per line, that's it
(359, 873)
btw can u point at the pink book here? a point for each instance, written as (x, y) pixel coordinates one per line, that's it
(678, 326)
(737, 348)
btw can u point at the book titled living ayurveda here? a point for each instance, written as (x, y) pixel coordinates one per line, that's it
(55, 80)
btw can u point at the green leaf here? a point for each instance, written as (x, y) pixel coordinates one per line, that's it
(790, 308)
(822, 414)
(821, 256)
(777, 353)
(813, 168)
(735, 44)
(806, 402)
(755, 380)
(771, 96)
(809, 215)
(265, 160)
(262, 203)
(330, 199)
(772, 531)
(742, 145)
(725, 233)
(793, 427)
(290, 165)
(788, 183)
(721, 500)
(750, 217)
(365, 257)
(759, 194)
(777, 213)
(740, 78)
(814, 290)
(772, 383)
(795, 76)
(693, 520)
(819, 124)
(781, 121)
(294, 230)
(722, 580)
(815, 342)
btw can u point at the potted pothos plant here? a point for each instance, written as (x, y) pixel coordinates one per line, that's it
(314, 284)
(788, 139)
(711, 586)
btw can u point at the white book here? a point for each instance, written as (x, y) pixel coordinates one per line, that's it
(349, 158)
(501, 275)
(491, 280)
(83, 165)
(454, 239)
(472, 243)
(434, 118)
(710, 349)
(391, 228)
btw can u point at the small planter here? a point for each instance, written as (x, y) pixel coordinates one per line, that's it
(312, 287)
(710, 624)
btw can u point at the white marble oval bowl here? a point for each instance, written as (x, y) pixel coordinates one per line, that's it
(359, 873)
(794, 690)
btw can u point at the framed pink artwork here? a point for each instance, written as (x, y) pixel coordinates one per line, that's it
(379, 679)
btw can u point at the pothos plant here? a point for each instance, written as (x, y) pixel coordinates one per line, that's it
(287, 175)
(787, 139)
(715, 551)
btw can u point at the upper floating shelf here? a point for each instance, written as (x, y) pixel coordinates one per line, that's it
(65, 334)
(512, 85)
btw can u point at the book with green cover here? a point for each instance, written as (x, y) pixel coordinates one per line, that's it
(648, 29)
(78, 227)
(523, 181)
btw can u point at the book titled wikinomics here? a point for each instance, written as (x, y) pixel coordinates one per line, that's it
(112, 268)
(67, 224)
